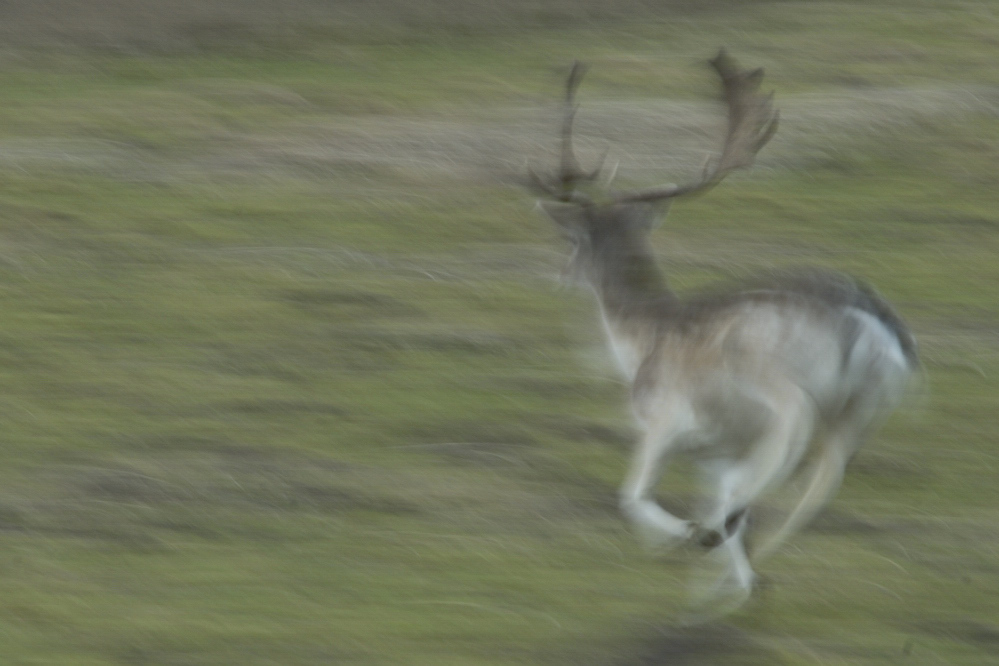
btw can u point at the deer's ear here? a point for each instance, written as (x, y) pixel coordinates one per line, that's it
(569, 218)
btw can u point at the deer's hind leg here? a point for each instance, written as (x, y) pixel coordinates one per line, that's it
(738, 483)
(825, 473)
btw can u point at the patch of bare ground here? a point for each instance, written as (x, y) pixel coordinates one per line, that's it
(657, 139)
(214, 490)
(814, 127)
(651, 139)
(213, 493)
(557, 490)
(98, 155)
(183, 26)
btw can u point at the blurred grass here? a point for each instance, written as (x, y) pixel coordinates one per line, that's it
(265, 405)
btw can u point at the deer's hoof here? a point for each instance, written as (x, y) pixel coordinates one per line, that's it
(709, 538)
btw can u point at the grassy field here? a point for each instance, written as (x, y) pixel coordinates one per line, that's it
(286, 375)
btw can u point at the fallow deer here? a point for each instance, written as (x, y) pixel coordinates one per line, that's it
(748, 380)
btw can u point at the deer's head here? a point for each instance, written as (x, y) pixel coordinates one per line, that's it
(607, 224)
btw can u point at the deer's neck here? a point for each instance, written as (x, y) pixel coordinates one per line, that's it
(634, 298)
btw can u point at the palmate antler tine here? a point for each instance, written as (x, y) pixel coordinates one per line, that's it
(752, 119)
(752, 122)
(768, 132)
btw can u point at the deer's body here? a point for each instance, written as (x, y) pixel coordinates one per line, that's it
(746, 380)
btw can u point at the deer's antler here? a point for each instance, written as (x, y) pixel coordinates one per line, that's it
(562, 186)
(752, 122)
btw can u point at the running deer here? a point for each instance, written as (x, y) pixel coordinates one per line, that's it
(747, 381)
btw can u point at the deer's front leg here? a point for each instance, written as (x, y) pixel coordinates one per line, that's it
(658, 526)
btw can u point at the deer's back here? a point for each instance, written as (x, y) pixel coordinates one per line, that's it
(832, 337)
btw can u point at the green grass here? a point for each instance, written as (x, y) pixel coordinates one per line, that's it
(340, 413)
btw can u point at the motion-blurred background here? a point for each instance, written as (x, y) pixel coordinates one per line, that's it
(286, 376)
